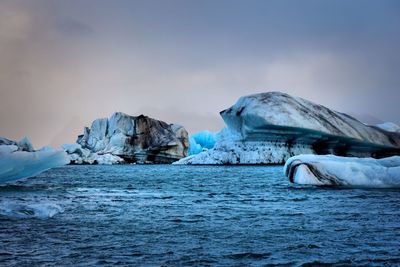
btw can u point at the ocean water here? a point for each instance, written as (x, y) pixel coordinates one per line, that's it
(165, 215)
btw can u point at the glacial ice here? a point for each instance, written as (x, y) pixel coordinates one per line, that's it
(330, 170)
(389, 126)
(17, 164)
(231, 149)
(201, 141)
(79, 155)
(194, 147)
(269, 128)
(24, 144)
(125, 138)
(22, 210)
(205, 138)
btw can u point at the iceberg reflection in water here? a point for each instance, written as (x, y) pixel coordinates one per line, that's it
(193, 215)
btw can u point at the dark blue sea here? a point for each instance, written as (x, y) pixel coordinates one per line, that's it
(166, 215)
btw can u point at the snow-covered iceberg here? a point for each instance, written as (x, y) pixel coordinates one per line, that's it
(330, 170)
(269, 128)
(124, 138)
(18, 160)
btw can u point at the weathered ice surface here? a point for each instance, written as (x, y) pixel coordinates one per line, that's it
(329, 170)
(23, 145)
(19, 160)
(79, 155)
(124, 138)
(268, 128)
(389, 126)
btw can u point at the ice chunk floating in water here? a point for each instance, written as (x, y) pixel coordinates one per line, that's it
(32, 210)
(15, 165)
(329, 170)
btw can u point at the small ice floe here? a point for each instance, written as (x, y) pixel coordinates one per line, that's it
(329, 170)
(35, 210)
(18, 160)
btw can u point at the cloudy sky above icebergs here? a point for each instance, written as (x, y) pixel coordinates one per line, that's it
(65, 63)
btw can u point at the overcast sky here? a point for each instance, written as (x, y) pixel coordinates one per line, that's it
(66, 63)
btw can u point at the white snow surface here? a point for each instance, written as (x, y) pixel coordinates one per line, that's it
(16, 164)
(330, 170)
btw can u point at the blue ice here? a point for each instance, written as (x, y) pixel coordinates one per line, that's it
(200, 141)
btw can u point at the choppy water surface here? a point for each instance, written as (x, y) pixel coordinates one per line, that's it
(192, 216)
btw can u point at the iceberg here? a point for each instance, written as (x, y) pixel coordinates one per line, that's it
(18, 163)
(269, 128)
(330, 170)
(129, 139)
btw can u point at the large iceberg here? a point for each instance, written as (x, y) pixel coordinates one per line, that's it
(19, 160)
(269, 128)
(124, 138)
(330, 170)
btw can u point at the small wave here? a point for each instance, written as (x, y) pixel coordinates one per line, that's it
(322, 263)
(299, 199)
(249, 255)
(37, 210)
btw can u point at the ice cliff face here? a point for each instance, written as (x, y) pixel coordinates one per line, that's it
(268, 128)
(124, 138)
